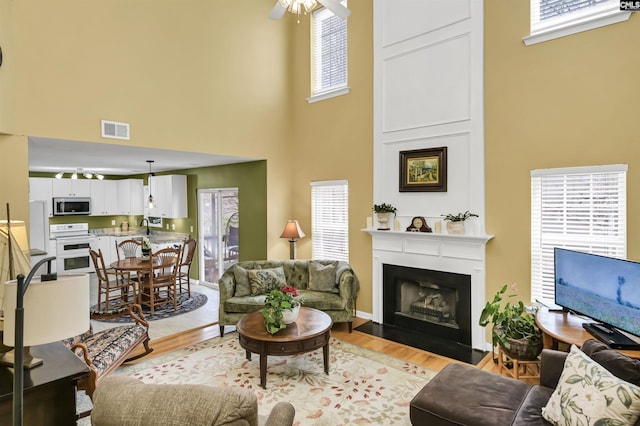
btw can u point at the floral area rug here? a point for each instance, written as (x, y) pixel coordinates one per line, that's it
(362, 387)
(185, 304)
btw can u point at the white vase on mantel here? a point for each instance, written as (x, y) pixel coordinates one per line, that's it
(383, 220)
(455, 228)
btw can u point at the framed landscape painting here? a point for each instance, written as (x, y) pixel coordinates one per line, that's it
(423, 170)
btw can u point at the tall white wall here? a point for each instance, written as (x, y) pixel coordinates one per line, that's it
(428, 93)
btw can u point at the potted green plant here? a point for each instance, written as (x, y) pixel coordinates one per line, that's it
(281, 307)
(455, 223)
(383, 214)
(514, 327)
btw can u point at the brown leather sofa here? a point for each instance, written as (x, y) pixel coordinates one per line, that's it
(461, 394)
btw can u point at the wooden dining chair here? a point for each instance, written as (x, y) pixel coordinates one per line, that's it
(184, 267)
(159, 286)
(115, 288)
(127, 249)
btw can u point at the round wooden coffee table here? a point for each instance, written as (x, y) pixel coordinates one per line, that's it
(309, 332)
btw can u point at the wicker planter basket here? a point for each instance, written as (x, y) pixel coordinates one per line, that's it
(523, 349)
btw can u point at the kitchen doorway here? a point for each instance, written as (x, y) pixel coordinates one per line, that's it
(219, 226)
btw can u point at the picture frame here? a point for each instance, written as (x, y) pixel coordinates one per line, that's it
(423, 170)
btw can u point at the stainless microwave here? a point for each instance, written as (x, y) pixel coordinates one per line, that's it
(71, 206)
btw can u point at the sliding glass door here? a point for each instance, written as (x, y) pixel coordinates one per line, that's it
(218, 231)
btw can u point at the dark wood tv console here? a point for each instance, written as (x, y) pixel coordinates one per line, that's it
(560, 326)
(49, 389)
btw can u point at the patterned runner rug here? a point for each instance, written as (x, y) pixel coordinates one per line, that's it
(362, 387)
(185, 304)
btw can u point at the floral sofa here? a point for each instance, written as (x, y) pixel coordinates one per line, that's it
(327, 285)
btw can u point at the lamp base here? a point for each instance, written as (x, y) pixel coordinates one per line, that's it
(29, 361)
(292, 249)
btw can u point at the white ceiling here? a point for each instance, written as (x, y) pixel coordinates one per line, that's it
(56, 155)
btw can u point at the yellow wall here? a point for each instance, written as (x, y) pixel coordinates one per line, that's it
(333, 139)
(218, 77)
(202, 76)
(572, 101)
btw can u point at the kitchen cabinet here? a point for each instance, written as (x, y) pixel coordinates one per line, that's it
(105, 243)
(170, 196)
(40, 189)
(130, 197)
(71, 187)
(104, 197)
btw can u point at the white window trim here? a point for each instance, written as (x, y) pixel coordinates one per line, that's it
(537, 269)
(329, 94)
(341, 182)
(611, 14)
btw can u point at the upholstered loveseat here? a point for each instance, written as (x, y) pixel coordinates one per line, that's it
(329, 286)
(591, 383)
(122, 400)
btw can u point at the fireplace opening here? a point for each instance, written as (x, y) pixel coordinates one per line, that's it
(434, 303)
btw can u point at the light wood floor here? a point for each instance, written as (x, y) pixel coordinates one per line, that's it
(341, 331)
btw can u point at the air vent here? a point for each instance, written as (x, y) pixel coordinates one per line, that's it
(115, 130)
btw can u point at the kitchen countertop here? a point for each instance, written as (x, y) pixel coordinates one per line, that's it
(154, 236)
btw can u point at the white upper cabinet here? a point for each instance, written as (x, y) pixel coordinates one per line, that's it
(104, 197)
(40, 190)
(170, 196)
(71, 188)
(130, 197)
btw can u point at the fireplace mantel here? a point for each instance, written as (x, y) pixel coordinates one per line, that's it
(463, 254)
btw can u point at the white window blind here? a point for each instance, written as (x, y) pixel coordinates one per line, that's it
(330, 219)
(329, 51)
(580, 208)
(558, 18)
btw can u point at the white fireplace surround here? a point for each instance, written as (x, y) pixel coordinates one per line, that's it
(462, 254)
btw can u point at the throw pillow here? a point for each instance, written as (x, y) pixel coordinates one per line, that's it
(264, 280)
(620, 365)
(323, 277)
(243, 288)
(589, 394)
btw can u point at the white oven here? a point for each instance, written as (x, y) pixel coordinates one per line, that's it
(72, 247)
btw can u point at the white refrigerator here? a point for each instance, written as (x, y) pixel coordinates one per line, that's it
(39, 232)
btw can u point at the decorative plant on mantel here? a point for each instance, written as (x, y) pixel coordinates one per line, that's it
(514, 327)
(455, 223)
(276, 302)
(383, 213)
(384, 208)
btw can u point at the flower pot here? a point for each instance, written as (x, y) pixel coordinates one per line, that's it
(523, 349)
(455, 228)
(290, 315)
(383, 220)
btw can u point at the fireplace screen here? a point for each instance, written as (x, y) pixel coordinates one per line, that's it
(428, 302)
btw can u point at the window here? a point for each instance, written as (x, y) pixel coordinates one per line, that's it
(328, 55)
(330, 219)
(579, 208)
(558, 18)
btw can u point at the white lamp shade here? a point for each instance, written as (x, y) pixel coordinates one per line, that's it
(53, 310)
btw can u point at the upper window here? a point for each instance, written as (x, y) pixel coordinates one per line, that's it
(328, 55)
(330, 219)
(558, 18)
(578, 208)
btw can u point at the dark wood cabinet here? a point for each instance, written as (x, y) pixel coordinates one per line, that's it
(49, 389)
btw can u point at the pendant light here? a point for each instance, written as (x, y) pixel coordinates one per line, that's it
(151, 202)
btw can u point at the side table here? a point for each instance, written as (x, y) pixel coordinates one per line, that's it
(49, 389)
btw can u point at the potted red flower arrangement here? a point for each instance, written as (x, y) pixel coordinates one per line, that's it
(281, 308)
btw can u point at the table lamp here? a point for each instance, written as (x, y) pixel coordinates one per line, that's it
(292, 231)
(55, 310)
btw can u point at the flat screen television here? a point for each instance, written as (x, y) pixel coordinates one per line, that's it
(603, 288)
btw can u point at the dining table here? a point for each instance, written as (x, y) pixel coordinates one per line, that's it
(142, 266)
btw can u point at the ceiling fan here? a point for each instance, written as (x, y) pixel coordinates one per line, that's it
(298, 6)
